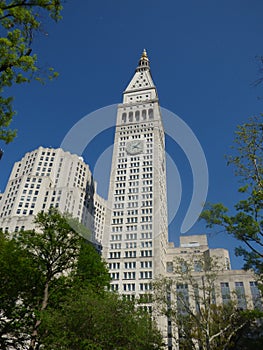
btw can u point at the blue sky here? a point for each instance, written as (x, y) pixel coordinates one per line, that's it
(202, 56)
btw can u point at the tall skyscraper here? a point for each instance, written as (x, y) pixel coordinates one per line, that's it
(136, 232)
(132, 223)
(46, 178)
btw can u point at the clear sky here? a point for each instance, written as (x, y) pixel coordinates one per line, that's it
(202, 56)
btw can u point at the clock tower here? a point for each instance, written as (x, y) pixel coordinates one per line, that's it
(136, 232)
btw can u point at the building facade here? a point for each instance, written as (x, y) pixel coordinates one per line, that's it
(100, 207)
(46, 178)
(239, 284)
(202, 277)
(132, 224)
(135, 239)
(136, 232)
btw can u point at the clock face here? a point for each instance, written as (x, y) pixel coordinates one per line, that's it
(134, 147)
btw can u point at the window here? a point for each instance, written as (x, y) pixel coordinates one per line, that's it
(115, 275)
(197, 266)
(182, 296)
(150, 113)
(114, 266)
(145, 274)
(145, 253)
(115, 255)
(124, 117)
(225, 292)
(240, 293)
(130, 116)
(256, 295)
(130, 254)
(145, 286)
(129, 275)
(146, 264)
(227, 262)
(169, 266)
(130, 265)
(129, 287)
(114, 287)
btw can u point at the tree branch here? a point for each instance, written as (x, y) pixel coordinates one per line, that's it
(233, 333)
(252, 248)
(22, 4)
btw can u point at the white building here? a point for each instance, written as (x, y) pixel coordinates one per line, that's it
(135, 240)
(194, 248)
(136, 233)
(132, 225)
(46, 178)
(223, 283)
(100, 207)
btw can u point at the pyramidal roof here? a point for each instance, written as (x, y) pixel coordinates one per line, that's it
(142, 78)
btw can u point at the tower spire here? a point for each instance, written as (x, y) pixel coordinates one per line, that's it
(143, 62)
(141, 81)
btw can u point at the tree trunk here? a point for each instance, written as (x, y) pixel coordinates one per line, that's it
(33, 344)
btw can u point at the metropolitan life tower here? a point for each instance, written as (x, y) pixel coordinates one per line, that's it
(136, 230)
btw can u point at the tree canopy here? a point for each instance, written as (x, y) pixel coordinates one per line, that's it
(245, 221)
(19, 21)
(54, 294)
(188, 299)
(86, 320)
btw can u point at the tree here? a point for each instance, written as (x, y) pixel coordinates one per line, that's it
(251, 336)
(45, 265)
(20, 282)
(88, 320)
(246, 224)
(188, 299)
(54, 295)
(20, 20)
(91, 271)
(55, 250)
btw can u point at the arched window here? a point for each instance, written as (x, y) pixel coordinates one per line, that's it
(144, 114)
(150, 113)
(124, 117)
(130, 116)
(137, 116)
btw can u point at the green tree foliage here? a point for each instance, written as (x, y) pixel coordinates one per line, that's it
(94, 276)
(55, 250)
(38, 268)
(188, 299)
(20, 284)
(246, 224)
(88, 320)
(250, 337)
(19, 21)
(54, 294)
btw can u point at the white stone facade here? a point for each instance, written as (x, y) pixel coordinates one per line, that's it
(136, 233)
(46, 178)
(100, 206)
(237, 285)
(132, 225)
(135, 240)
(194, 248)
